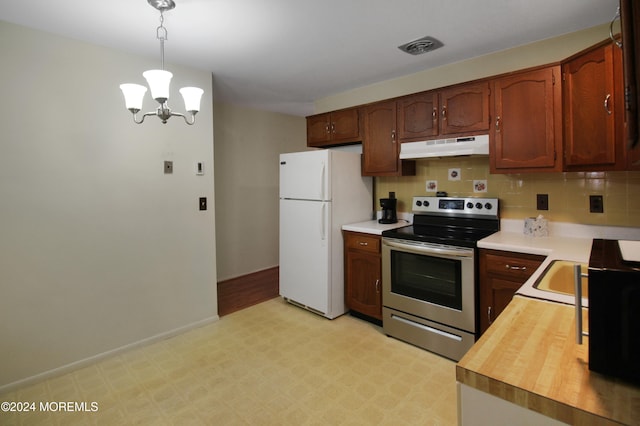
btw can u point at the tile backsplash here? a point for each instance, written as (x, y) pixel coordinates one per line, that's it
(568, 192)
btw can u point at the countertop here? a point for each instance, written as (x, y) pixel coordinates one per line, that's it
(565, 242)
(373, 227)
(508, 362)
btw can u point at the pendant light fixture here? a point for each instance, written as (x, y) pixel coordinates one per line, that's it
(159, 80)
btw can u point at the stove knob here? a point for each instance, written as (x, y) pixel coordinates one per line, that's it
(469, 205)
(426, 203)
(418, 203)
(488, 206)
(479, 206)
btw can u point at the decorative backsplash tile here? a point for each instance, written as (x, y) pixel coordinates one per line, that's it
(568, 192)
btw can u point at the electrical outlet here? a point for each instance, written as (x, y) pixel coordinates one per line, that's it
(168, 167)
(203, 203)
(596, 205)
(542, 201)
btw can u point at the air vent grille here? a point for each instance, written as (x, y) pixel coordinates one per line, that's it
(421, 45)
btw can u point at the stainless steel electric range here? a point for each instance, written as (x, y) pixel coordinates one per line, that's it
(429, 269)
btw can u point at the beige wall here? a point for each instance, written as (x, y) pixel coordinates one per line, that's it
(568, 192)
(247, 148)
(534, 54)
(99, 249)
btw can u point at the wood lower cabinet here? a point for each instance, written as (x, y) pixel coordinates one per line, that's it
(527, 122)
(363, 274)
(593, 103)
(334, 128)
(501, 274)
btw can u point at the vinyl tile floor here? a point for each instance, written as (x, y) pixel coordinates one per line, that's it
(270, 364)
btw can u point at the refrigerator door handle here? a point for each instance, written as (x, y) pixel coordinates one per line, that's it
(323, 220)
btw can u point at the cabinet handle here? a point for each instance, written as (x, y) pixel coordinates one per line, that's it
(515, 268)
(393, 136)
(434, 114)
(489, 315)
(444, 113)
(498, 124)
(606, 103)
(378, 286)
(362, 243)
(617, 16)
(327, 128)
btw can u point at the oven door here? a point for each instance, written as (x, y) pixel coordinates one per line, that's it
(432, 281)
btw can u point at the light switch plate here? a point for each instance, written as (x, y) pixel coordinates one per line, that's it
(168, 167)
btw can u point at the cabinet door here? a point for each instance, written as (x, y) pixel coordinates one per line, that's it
(464, 109)
(498, 293)
(363, 290)
(418, 117)
(501, 274)
(318, 129)
(345, 125)
(630, 26)
(527, 128)
(379, 146)
(590, 112)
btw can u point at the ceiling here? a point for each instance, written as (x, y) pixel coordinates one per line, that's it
(281, 55)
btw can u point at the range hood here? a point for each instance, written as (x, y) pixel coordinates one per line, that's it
(468, 145)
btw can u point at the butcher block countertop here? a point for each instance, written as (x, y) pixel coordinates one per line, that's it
(529, 357)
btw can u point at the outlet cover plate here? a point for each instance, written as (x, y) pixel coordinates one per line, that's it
(596, 204)
(542, 201)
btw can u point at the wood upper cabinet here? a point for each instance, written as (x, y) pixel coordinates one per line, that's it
(464, 109)
(380, 146)
(418, 116)
(630, 27)
(527, 129)
(334, 128)
(363, 274)
(593, 104)
(501, 275)
(457, 110)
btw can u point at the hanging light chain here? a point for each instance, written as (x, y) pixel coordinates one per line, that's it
(161, 34)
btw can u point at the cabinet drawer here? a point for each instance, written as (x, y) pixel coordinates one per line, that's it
(365, 242)
(516, 267)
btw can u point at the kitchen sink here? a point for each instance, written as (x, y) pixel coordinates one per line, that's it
(558, 278)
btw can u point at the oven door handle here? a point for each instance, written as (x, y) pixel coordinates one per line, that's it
(441, 251)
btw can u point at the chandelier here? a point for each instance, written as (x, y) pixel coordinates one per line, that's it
(159, 80)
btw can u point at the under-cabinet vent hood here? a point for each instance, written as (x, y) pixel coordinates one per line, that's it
(468, 145)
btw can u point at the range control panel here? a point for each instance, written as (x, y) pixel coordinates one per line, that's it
(468, 205)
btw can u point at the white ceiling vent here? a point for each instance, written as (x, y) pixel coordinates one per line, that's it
(421, 45)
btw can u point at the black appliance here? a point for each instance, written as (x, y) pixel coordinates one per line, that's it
(429, 283)
(614, 312)
(389, 214)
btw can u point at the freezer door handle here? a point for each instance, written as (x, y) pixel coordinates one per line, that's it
(323, 190)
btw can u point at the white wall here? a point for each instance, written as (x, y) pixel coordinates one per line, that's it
(248, 145)
(98, 248)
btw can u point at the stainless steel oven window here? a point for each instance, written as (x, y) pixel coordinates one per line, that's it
(464, 318)
(432, 279)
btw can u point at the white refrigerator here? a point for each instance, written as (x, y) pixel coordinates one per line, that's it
(319, 192)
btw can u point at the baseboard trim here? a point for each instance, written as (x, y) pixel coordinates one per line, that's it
(58, 371)
(247, 290)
